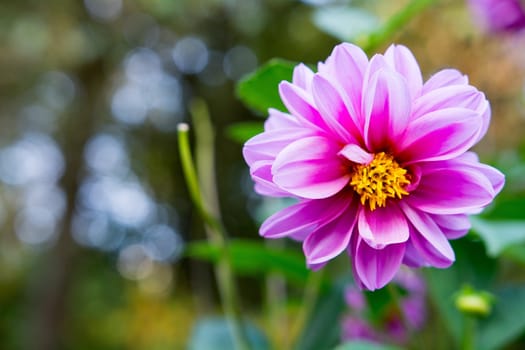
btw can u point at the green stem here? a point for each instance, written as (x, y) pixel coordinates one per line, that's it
(469, 331)
(192, 182)
(394, 24)
(204, 155)
(217, 236)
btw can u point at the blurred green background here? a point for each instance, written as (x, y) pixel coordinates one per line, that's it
(94, 213)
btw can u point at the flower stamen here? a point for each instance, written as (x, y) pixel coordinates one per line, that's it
(379, 180)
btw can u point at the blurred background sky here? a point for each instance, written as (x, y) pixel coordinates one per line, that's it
(94, 213)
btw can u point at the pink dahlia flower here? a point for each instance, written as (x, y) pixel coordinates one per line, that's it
(378, 161)
(499, 15)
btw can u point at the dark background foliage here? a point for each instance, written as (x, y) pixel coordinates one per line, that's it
(94, 212)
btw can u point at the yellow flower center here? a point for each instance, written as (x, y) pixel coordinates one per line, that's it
(379, 180)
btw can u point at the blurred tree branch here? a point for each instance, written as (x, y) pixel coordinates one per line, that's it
(50, 297)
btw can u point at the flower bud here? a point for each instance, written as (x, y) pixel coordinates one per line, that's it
(472, 302)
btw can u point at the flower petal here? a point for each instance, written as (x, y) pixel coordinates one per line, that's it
(386, 107)
(377, 62)
(428, 239)
(445, 77)
(316, 267)
(330, 239)
(280, 120)
(268, 144)
(374, 268)
(485, 111)
(261, 173)
(496, 177)
(346, 67)
(470, 160)
(412, 257)
(333, 110)
(352, 252)
(303, 217)
(311, 168)
(383, 226)
(464, 96)
(442, 134)
(451, 191)
(453, 226)
(302, 76)
(356, 154)
(403, 61)
(300, 104)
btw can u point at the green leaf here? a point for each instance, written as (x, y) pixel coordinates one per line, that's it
(346, 23)
(379, 302)
(507, 208)
(259, 90)
(250, 257)
(322, 330)
(499, 235)
(506, 322)
(214, 333)
(362, 345)
(472, 267)
(515, 253)
(243, 131)
(503, 325)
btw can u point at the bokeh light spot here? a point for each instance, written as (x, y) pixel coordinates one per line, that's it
(190, 55)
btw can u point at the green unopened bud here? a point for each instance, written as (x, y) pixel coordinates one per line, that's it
(472, 302)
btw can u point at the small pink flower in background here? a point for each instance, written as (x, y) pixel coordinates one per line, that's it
(357, 328)
(391, 328)
(355, 299)
(378, 161)
(499, 15)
